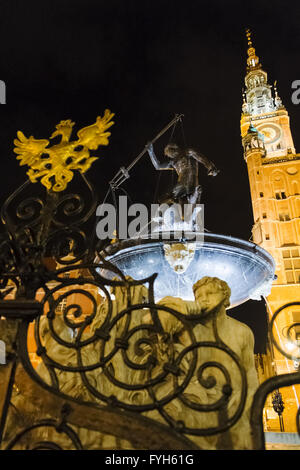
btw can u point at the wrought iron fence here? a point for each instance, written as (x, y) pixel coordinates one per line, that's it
(118, 376)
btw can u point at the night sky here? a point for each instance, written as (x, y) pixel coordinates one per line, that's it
(146, 61)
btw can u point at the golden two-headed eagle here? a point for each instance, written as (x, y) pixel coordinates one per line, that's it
(54, 165)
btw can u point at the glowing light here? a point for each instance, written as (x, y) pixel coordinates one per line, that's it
(290, 346)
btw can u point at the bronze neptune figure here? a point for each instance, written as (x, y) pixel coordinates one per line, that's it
(185, 162)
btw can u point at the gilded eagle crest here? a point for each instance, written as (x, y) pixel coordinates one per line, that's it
(54, 165)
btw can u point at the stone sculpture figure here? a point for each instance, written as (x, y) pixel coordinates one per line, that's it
(214, 326)
(179, 255)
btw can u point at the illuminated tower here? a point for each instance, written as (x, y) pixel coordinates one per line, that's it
(274, 177)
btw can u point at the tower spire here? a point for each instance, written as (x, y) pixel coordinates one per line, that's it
(258, 97)
(265, 111)
(253, 60)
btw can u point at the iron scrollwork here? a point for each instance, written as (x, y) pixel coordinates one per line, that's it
(113, 353)
(113, 347)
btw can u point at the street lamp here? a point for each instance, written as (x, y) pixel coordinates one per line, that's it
(278, 406)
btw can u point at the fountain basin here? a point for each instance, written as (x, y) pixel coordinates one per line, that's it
(247, 268)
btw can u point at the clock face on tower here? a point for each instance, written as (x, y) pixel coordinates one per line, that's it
(272, 132)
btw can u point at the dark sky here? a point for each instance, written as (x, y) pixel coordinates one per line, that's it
(146, 61)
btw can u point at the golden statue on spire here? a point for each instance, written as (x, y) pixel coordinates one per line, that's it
(55, 165)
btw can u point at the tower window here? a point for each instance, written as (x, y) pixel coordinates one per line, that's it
(280, 195)
(296, 263)
(291, 265)
(261, 194)
(290, 278)
(278, 146)
(288, 264)
(264, 216)
(290, 253)
(267, 236)
(284, 217)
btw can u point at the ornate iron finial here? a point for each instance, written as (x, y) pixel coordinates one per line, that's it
(54, 165)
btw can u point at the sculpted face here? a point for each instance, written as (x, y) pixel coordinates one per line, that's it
(179, 255)
(211, 294)
(171, 150)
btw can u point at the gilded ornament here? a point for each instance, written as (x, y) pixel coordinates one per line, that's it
(54, 166)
